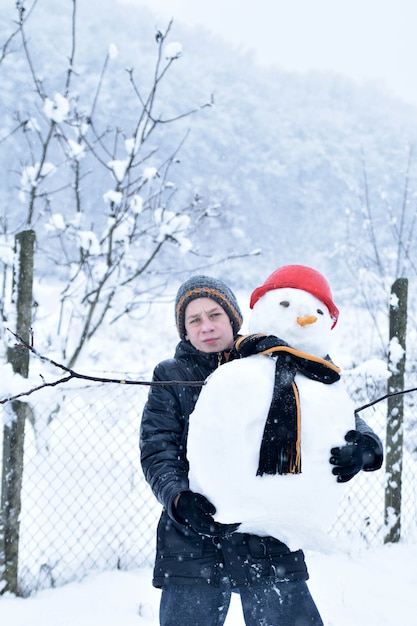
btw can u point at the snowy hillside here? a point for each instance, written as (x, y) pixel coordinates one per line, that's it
(293, 163)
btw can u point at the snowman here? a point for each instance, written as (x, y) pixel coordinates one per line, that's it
(261, 432)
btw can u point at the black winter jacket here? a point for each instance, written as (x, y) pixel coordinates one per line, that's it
(183, 556)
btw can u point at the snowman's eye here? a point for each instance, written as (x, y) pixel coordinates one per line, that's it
(320, 312)
(285, 304)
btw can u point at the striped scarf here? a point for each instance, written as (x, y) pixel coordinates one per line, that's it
(280, 451)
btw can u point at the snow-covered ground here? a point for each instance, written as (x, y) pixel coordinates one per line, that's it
(374, 587)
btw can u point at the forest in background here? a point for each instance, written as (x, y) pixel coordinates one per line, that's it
(308, 168)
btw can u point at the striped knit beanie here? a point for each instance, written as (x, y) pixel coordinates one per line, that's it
(206, 287)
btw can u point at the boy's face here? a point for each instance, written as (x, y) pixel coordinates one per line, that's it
(207, 326)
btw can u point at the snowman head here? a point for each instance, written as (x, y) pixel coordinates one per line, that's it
(296, 305)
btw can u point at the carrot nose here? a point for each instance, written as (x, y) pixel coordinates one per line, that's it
(308, 319)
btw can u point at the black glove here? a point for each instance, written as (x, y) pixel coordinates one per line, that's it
(197, 512)
(359, 453)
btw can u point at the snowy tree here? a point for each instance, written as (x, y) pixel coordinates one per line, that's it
(95, 187)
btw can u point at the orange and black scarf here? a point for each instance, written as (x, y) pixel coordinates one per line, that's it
(280, 451)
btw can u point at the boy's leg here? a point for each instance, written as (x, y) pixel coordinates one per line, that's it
(273, 604)
(197, 604)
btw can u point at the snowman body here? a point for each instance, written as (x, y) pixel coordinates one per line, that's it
(227, 425)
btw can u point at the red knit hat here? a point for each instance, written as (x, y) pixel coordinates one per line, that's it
(298, 277)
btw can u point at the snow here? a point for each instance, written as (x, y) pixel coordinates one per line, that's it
(396, 354)
(119, 168)
(149, 173)
(231, 433)
(113, 196)
(10, 381)
(32, 174)
(88, 241)
(375, 368)
(6, 251)
(374, 587)
(77, 150)
(113, 51)
(57, 109)
(56, 222)
(227, 425)
(173, 50)
(136, 204)
(351, 583)
(173, 225)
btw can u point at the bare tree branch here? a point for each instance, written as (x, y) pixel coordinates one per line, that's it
(72, 374)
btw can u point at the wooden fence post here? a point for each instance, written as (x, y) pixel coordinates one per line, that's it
(14, 427)
(394, 440)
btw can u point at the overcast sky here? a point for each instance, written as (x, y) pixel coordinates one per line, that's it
(367, 40)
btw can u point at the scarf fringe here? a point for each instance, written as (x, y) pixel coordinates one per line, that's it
(271, 463)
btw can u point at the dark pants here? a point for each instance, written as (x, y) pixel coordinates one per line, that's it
(272, 604)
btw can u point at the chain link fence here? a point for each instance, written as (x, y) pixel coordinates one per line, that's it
(86, 506)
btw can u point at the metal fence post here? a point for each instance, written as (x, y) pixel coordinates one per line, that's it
(394, 440)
